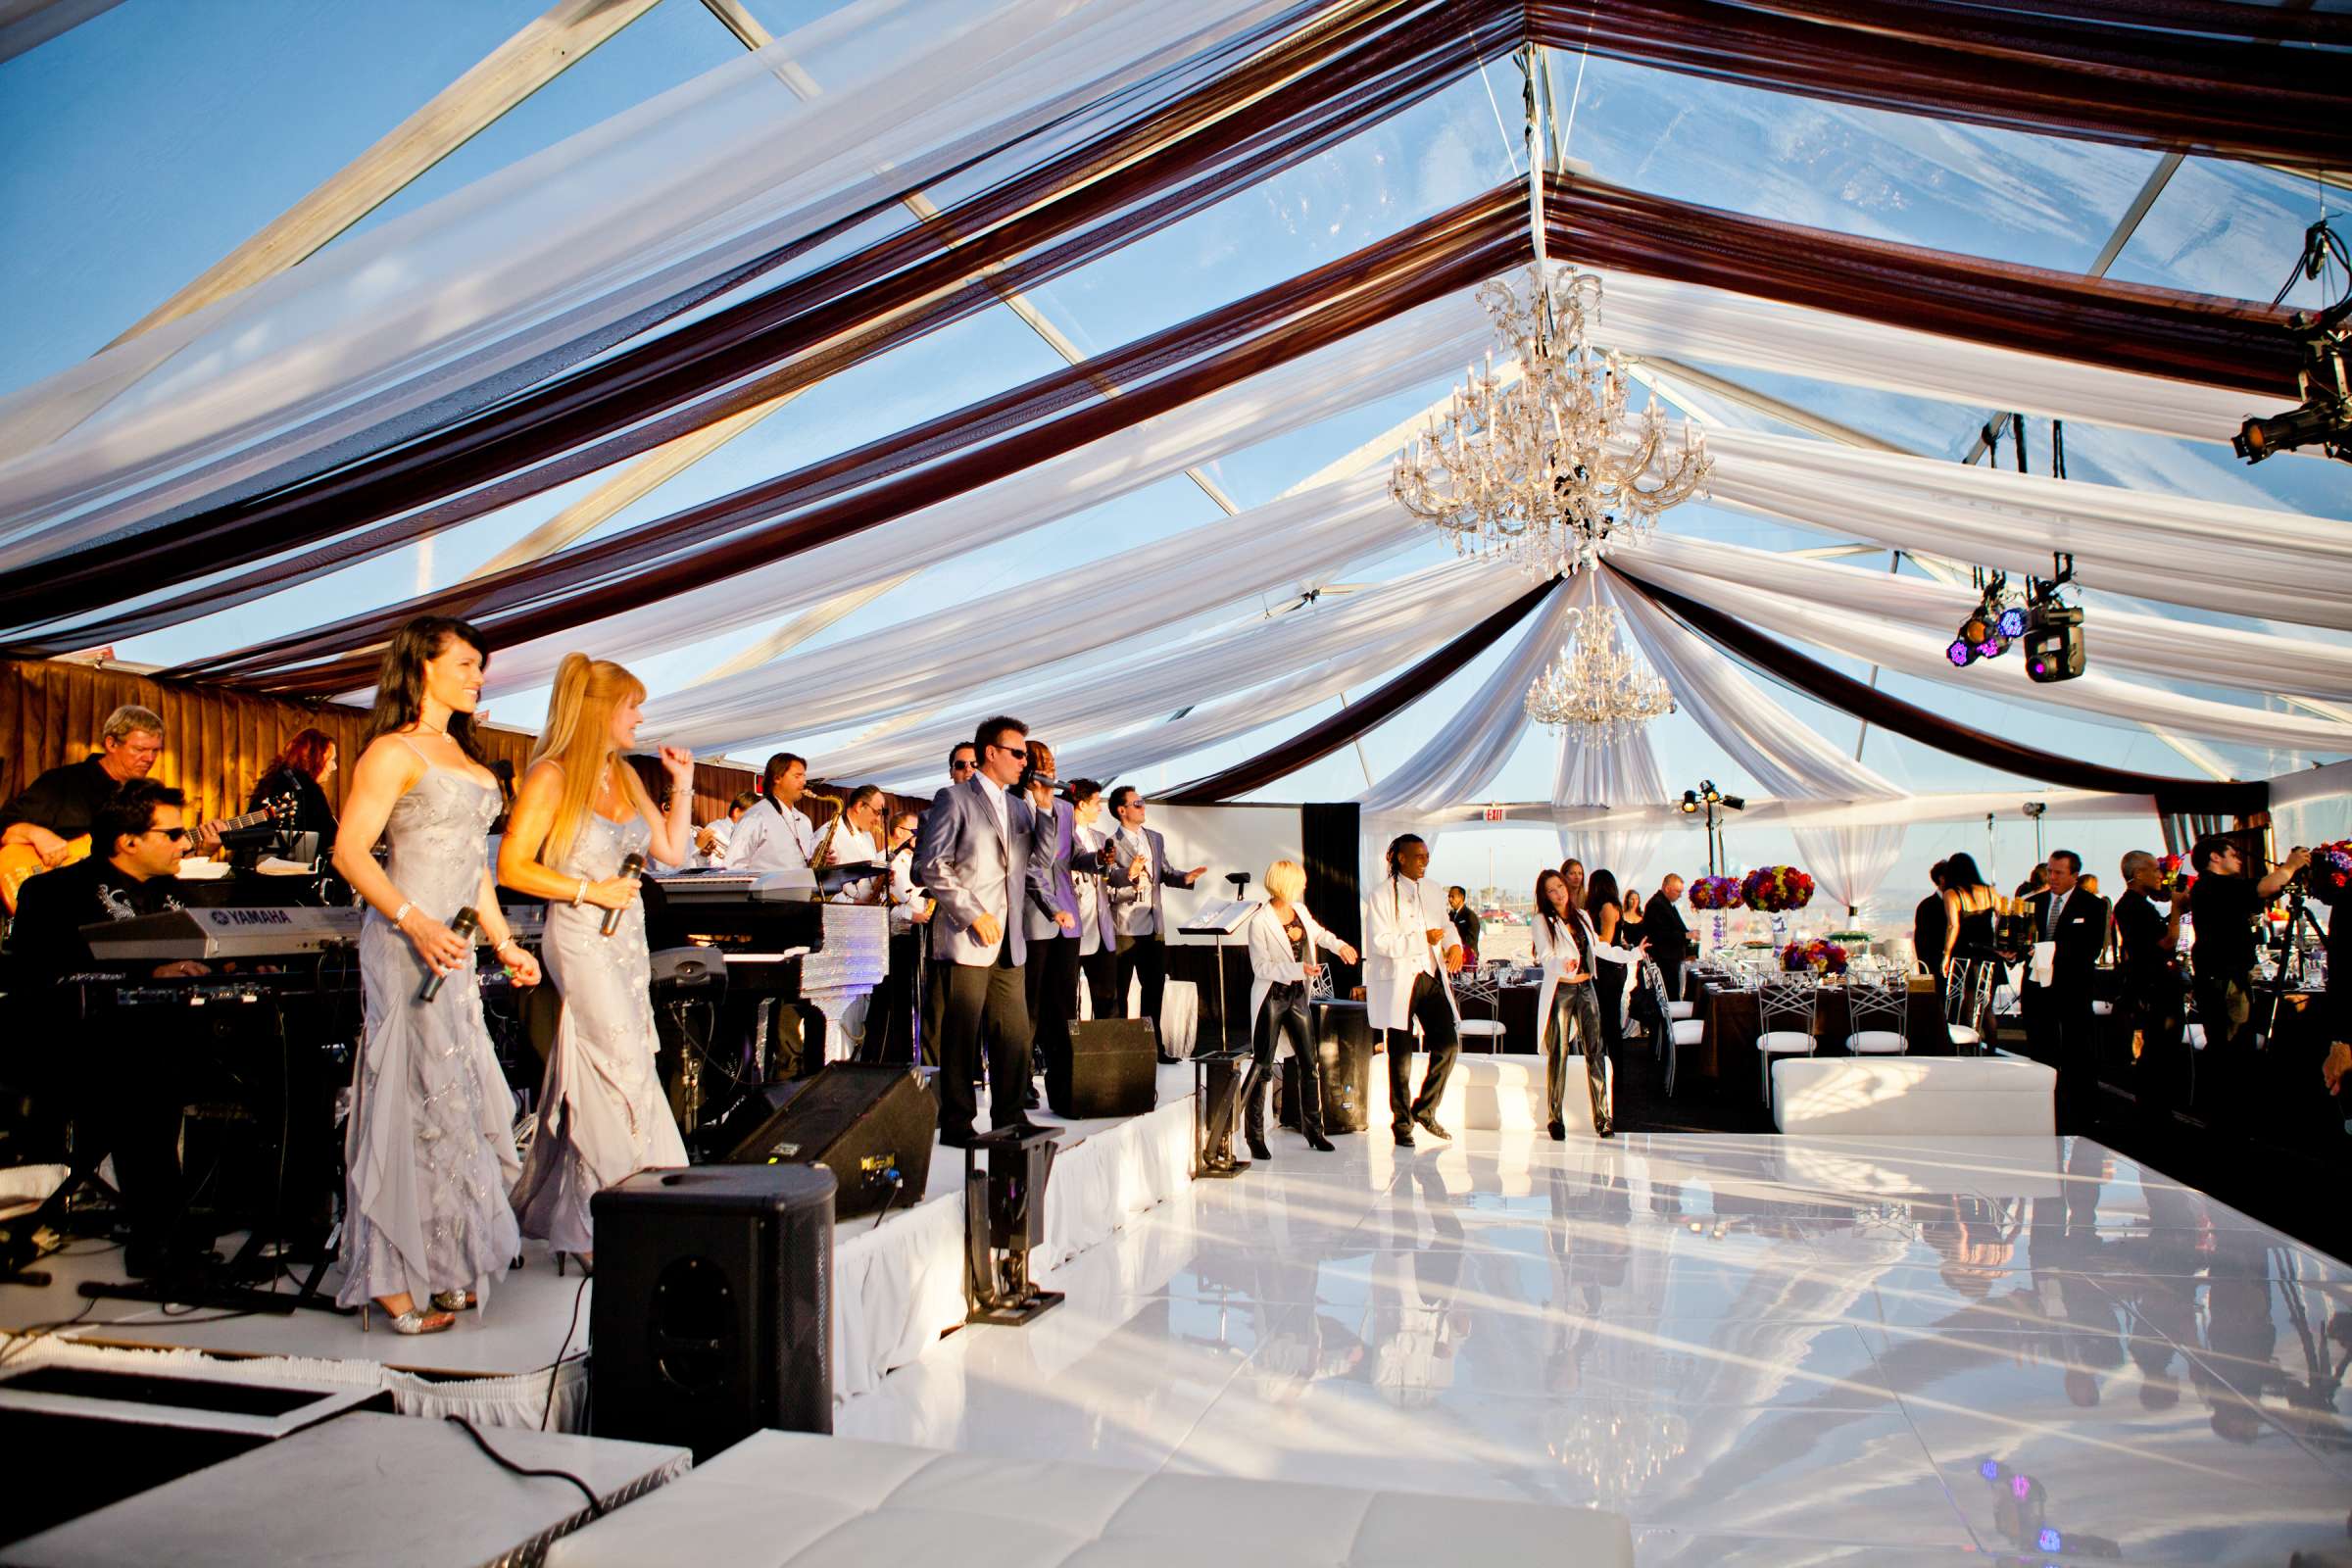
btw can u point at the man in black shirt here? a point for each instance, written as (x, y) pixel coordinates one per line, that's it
(1464, 917)
(2224, 905)
(119, 1106)
(46, 817)
(1668, 934)
(2148, 973)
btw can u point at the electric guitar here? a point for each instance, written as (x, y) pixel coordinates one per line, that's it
(20, 863)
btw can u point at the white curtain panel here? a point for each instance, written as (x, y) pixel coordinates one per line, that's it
(1722, 575)
(1918, 650)
(1360, 635)
(445, 308)
(1624, 776)
(1851, 862)
(2281, 565)
(1690, 321)
(1782, 755)
(1968, 806)
(1421, 346)
(999, 636)
(1466, 751)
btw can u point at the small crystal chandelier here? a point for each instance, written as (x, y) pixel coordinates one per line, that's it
(1541, 462)
(1599, 691)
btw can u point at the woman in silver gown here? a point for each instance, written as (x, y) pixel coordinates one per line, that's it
(580, 813)
(429, 1148)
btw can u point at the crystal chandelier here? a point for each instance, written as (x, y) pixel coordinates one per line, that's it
(1598, 690)
(1541, 462)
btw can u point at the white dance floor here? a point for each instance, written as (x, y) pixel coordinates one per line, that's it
(1761, 1349)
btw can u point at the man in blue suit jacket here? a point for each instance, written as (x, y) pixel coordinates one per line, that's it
(974, 859)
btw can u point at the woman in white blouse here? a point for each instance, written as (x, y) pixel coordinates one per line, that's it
(1566, 947)
(1286, 948)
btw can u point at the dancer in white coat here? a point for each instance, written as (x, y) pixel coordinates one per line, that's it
(1567, 947)
(1286, 948)
(1413, 948)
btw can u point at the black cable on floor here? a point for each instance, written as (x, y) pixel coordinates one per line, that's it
(554, 1368)
(596, 1510)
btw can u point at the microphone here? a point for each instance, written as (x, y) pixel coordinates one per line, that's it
(463, 926)
(632, 868)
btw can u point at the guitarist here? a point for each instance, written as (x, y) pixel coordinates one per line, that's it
(60, 805)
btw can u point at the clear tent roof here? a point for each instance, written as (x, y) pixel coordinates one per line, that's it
(154, 138)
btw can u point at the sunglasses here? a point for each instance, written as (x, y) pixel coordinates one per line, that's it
(961, 765)
(1021, 752)
(172, 834)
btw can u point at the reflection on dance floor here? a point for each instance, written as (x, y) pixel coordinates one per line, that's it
(1761, 1349)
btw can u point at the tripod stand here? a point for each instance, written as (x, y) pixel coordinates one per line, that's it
(2292, 945)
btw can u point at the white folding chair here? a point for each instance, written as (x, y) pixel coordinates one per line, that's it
(1876, 1015)
(1966, 990)
(1785, 1012)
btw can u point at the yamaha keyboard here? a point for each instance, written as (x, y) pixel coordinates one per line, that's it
(258, 932)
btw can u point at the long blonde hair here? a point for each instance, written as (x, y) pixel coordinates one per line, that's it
(578, 738)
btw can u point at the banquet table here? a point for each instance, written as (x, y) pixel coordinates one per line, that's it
(1726, 1051)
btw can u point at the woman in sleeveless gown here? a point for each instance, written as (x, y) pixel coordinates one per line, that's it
(430, 1148)
(580, 813)
(1971, 944)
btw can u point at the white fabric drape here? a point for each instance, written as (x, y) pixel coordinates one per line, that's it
(1849, 863)
(1060, 615)
(1917, 649)
(1967, 806)
(1724, 574)
(1622, 778)
(1782, 755)
(439, 312)
(1470, 748)
(2283, 566)
(1416, 347)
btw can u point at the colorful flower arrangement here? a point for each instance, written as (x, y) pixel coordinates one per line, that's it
(2178, 877)
(1715, 892)
(1820, 955)
(1777, 888)
(2332, 870)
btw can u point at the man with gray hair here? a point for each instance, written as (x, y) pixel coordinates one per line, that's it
(58, 807)
(2149, 993)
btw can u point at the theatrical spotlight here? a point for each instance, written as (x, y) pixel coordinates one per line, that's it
(1991, 628)
(2324, 419)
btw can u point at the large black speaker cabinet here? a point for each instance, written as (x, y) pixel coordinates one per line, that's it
(1345, 1043)
(872, 1125)
(1114, 1068)
(713, 1310)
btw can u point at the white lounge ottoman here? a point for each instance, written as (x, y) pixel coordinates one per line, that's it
(1989, 1096)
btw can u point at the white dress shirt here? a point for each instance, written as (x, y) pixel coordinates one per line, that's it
(772, 838)
(996, 797)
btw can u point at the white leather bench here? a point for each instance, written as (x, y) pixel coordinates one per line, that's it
(1988, 1096)
(1493, 1095)
(787, 1500)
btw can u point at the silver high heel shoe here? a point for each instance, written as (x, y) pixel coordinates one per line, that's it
(416, 1320)
(455, 1302)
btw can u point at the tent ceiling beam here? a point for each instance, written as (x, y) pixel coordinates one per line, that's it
(28, 23)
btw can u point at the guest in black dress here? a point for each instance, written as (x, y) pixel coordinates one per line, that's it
(298, 776)
(1971, 936)
(1603, 909)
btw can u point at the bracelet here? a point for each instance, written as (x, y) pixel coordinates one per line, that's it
(510, 942)
(581, 894)
(402, 913)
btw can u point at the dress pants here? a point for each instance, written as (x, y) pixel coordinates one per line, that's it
(1608, 997)
(1051, 977)
(935, 1004)
(2061, 1033)
(890, 1016)
(2225, 1007)
(1101, 968)
(1575, 1015)
(1148, 956)
(2160, 1077)
(1440, 1038)
(983, 1001)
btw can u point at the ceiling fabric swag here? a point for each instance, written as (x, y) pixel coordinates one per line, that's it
(1847, 695)
(1376, 707)
(649, 393)
(1718, 574)
(1625, 774)
(2202, 78)
(945, 457)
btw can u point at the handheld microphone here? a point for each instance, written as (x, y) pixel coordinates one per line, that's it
(633, 868)
(463, 926)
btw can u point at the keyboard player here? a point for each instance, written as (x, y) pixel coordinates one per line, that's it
(129, 1109)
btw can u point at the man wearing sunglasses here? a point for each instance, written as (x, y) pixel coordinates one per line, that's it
(974, 858)
(138, 839)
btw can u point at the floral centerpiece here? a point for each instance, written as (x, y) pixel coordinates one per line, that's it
(1777, 890)
(2332, 870)
(2178, 877)
(1820, 955)
(1718, 895)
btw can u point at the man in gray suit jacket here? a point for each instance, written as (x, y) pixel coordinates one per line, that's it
(1053, 967)
(1136, 865)
(975, 861)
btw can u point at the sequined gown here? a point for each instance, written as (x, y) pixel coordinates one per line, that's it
(430, 1148)
(601, 1112)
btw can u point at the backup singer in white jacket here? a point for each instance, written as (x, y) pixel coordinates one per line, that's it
(1414, 948)
(1286, 948)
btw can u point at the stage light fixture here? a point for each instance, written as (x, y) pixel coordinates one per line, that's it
(2324, 419)
(2054, 650)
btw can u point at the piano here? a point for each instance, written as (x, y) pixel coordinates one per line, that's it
(258, 931)
(777, 944)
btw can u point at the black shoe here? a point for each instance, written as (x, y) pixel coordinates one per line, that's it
(1318, 1143)
(1029, 1100)
(1166, 1060)
(1603, 1129)
(1404, 1137)
(1559, 1131)
(1434, 1131)
(1258, 1150)
(950, 1138)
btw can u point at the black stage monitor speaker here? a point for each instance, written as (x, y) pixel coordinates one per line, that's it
(1114, 1068)
(1345, 1046)
(872, 1125)
(713, 1310)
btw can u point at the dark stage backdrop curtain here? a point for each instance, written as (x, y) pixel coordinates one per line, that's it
(1267, 114)
(2197, 76)
(1331, 838)
(1847, 695)
(1343, 726)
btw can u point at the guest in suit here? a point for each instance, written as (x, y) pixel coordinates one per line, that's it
(1412, 948)
(1097, 933)
(1051, 974)
(1465, 918)
(1928, 928)
(975, 862)
(1668, 934)
(2058, 1016)
(1137, 869)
